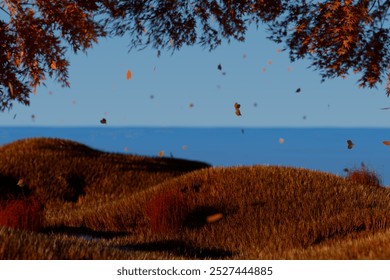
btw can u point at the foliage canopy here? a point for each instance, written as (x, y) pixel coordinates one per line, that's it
(338, 37)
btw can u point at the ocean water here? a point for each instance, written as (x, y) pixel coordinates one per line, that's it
(323, 149)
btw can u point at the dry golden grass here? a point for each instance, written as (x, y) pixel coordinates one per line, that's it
(265, 212)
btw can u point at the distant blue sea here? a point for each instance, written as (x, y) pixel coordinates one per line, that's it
(322, 149)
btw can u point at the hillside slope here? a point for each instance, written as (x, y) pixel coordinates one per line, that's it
(168, 211)
(64, 170)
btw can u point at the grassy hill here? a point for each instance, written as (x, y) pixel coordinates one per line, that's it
(100, 205)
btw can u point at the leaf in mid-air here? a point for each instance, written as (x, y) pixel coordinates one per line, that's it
(237, 107)
(128, 75)
(350, 144)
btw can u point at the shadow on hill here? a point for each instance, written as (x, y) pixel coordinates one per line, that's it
(84, 232)
(179, 248)
(9, 188)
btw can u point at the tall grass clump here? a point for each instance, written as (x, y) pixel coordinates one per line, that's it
(22, 213)
(167, 211)
(364, 176)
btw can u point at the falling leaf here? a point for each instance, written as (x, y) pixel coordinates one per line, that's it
(128, 74)
(385, 108)
(191, 105)
(270, 62)
(171, 41)
(298, 90)
(350, 144)
(387, 143)
(242, 131)
(278, 50)
(304, 117)
(33, 117)
(151, 96)
(53, 65)
(237, 107)
(214, 218)
(219, 67)
(14, 116)
(21, 183)
(126, 149)
(289, 69)
(244, 56)
(255, 104)
(281, 140)
(184, 147)
(11, 89)
(103, 121)
(264, 69)
(161, 153)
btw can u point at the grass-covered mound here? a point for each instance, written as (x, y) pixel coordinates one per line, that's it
(176, 209)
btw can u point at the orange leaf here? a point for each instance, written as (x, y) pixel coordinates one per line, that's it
(11, 89)
(387, 143)
(53, 65)
(128, 75)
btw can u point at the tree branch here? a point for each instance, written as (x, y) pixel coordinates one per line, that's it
(5, 11)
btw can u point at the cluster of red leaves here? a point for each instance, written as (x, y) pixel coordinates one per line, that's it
(32, 36)
(338, 36)
(167, 211)
(22, 213)
(364, 176)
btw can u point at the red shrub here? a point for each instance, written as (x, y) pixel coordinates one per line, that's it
(364, 176)
(22, 213)
(167, 211)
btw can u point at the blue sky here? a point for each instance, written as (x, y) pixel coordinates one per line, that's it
(258, 76)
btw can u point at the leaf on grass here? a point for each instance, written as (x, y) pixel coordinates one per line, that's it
(214, 218)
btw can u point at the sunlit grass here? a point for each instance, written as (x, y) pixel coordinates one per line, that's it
(157, 208)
